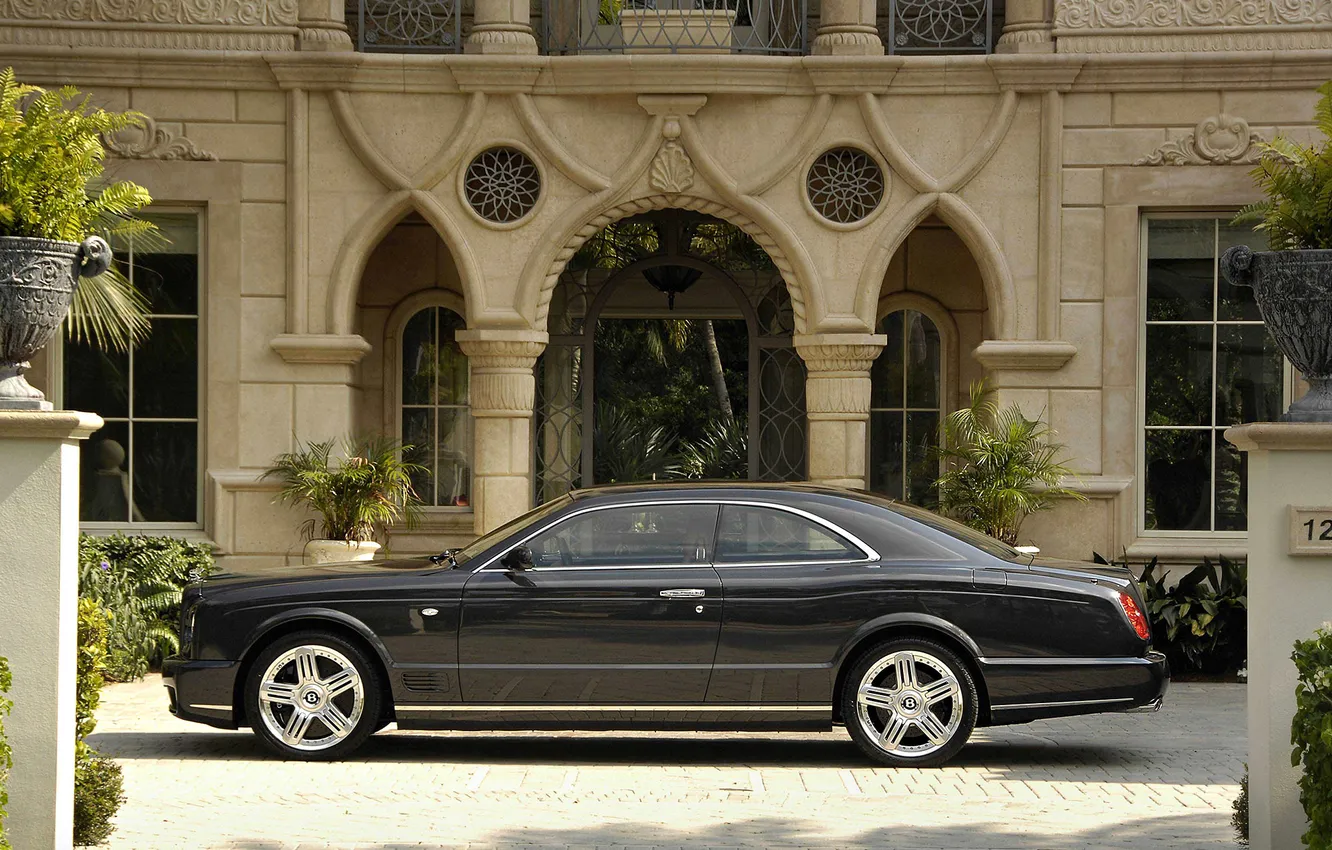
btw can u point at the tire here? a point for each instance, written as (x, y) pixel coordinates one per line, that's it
(922, 725)
(340, 702)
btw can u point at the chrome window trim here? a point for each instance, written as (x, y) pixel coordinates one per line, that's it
(870, 553)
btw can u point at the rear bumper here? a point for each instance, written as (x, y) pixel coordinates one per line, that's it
(202, 691)
(1031, 689)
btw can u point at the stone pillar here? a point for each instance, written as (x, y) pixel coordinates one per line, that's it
(501, 26)
(1028, 27)
(503, 391)
(39, 524)
(837, 401)
(847, 28)
(1290, 595)
(323, 25)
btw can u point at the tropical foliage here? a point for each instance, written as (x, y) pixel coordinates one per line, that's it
(628, 449)
(721, 453)
(138, 581)
(6, 757)
(1311, 733)
(1200, 621)
(357, 496)
(1239, 817)
(999, 467)
(1297, 179)
(97, 780)
(51, 157)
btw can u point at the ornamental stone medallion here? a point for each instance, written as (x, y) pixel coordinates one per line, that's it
(1218, 140)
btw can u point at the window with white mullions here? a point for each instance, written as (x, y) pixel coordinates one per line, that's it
(905, 409)
(436, 417)
(1208, 364)
(142, 466)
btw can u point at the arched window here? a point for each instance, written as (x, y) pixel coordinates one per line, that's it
(435, 417)
(906, 399)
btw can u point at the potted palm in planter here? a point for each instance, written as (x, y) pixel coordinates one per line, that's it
(50, 212)
(355, 497)
(1292, 282)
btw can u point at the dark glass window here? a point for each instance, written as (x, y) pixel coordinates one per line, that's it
(1208, 364)
(143, 465)
(759, 535)
(905, 409)
(436, 418)
(640, 535)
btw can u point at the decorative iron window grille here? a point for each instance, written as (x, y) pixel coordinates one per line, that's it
(939, 26)
(406, 26)
(675, 26)
(845, 185)
(502, 184)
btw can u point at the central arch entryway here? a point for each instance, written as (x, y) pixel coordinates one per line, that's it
(670, 356)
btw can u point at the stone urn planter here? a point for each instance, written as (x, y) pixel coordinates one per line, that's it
(37, 280)
(1294, 293)
(339, 551)
(681, 30)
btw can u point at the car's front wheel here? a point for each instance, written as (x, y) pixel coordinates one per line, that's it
(909, 703)
(313, 695)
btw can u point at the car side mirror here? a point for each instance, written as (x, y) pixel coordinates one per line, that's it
(517, 558)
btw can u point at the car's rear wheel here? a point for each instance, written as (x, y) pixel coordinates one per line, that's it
(313, 695)
(909, 703)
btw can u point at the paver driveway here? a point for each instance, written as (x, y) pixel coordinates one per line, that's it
(1105, 781)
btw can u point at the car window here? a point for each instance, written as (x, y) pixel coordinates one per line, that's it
(481, 544)
(638, 535)
(958, 531)
(755, 534)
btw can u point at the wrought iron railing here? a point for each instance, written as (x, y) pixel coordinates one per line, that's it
(406, 26)
(675, 26)
(937, 26)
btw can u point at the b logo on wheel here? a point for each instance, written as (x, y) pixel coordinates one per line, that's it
(311, 697)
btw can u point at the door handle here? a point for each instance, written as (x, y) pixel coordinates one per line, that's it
(684, 593)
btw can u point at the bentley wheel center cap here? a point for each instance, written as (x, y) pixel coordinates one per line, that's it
(311, 698)
(911, 703)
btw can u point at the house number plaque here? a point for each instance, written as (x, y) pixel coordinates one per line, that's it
(1310, 531)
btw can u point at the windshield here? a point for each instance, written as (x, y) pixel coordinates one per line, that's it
(952, 528)
(484, 542)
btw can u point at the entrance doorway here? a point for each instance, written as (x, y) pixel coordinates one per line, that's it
(670, 356)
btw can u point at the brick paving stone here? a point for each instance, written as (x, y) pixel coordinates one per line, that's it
(1104, 781)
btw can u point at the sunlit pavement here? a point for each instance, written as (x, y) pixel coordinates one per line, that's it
(1104, 781)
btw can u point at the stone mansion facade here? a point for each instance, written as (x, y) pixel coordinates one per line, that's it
(379, 217)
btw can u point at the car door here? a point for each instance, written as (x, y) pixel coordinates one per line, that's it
(619, 607)
(795, 589)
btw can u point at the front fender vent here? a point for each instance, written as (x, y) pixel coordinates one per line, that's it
(425, 681)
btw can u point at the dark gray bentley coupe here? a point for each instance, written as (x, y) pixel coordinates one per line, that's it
(676, 607)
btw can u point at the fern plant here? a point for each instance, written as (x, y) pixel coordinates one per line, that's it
(1297, 179)
(51, 187)
(356, 497)
(999, 467)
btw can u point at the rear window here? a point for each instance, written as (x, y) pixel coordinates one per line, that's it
(957, 530)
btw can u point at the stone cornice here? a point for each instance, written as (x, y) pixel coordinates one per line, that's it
(1281, 436)
(337, 349)
(47, 424)
(1024, 355)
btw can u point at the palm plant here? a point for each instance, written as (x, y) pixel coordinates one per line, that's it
(355, 497)
(51, 155)
(999, 467)
(722, 452)
(1297, 180)
(624, 449)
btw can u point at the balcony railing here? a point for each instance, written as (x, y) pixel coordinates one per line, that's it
(675, 26)
(937, 26)
(406, 26)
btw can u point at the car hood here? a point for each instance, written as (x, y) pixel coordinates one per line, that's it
(1112, 574)
(321, 573)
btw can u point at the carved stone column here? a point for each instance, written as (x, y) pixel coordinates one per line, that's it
(501, 26)
(847, 28)
(1028, 27)
(323, 25)
(837, 400)
(503, 391)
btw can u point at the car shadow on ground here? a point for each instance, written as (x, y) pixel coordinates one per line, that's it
(608, 749)
(1195, 830)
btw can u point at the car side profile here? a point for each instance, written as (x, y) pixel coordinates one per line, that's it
(674, 607)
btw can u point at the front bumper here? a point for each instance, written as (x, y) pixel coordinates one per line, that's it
(202, 691)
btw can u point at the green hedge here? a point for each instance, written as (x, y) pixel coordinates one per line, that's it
(139, 580)
(97, 781)
(6, 759)
(1311, 733)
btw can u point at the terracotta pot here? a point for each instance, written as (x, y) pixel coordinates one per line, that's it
(1294, 293)
(339, 551)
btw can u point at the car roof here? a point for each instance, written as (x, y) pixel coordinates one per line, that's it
(680, 488)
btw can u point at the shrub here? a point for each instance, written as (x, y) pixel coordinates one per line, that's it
(999, 467)
(1240, 818)
(722, 452)
(97, 780)
(6, 758)
(1311, 733)
(139, 580)
(1201, 622)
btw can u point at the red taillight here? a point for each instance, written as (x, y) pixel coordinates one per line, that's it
(1135, 617)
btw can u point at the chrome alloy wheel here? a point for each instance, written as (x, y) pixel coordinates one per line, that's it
(910, 704)
(311, 697)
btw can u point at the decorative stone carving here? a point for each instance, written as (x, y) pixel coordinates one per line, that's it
(840, 357)
(1218, 140)
(1135, 14)
(672, 171)
(247, 13)
(330, 37)
(157, 37)
(502, 383)
(147, 140)
(847, 40)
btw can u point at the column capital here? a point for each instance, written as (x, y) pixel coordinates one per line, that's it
(844, 353)
(502, 349)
